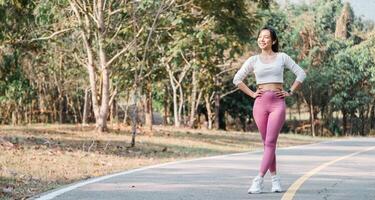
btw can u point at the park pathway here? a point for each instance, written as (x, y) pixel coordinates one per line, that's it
(336, 170)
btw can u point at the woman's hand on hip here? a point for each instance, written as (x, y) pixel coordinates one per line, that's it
(258, 93)
(282, 94)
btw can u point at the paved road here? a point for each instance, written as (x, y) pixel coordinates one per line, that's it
(336, 170)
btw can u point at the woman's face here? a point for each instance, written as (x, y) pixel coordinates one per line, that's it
(265, 40)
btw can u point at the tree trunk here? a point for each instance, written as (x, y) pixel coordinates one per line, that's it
(102, 123)
(125, 114)
(217, 110)
(126, 110)
(312, 120)
(181, 106)
(25, 113)
(71, 104)
(311, 108)
(14, 118)
(133, 109)
(61, 109)
(100, 111)
(32, 107)
(133, 116)
(372, 116)
(363, 116)
(209, 111)
(94, 95)
(148, 107)
(166, 106)
(116, 107)
(112, 112)
(174, 91)
(59, 81)
(193, 99)
(344, 122)
(176, 84)
(85, 107)
(175, 108)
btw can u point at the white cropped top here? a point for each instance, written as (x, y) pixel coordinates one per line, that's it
(269, 73)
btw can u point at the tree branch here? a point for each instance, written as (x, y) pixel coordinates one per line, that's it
(116, 11)
(113, 97)
(124, 49)
(149, 36)
(79, 60)
(51, 36)
(198, 99)
(185, 69)
(117, 31)
(230, 92)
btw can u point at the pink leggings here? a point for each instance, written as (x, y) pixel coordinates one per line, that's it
(269, 115)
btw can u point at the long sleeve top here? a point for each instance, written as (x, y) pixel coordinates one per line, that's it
(271, 72)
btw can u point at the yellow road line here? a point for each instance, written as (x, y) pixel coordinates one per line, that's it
(289, 194)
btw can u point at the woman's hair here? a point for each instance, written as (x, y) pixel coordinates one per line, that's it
(275, 47)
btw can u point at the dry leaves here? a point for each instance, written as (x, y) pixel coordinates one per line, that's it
(6, 144)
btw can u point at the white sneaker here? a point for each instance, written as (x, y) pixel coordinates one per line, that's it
(257, 186)
(276, 185)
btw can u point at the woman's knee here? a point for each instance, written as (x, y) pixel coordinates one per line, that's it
(270, 143)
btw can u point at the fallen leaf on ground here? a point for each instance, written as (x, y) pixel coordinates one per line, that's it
(7, 190)
(5, 143)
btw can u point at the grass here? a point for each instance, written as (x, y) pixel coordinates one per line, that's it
(41, 157)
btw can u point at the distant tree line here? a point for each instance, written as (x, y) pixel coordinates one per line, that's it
(94, 61)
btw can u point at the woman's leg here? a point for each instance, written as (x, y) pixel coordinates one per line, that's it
(261, 118)
(272, 167)
(275, 122)
(260, 115)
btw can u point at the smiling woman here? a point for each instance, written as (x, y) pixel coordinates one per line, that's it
(269, 106)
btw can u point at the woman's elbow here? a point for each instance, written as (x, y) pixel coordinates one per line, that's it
(304, 75)
(236, 82)
(301, 77)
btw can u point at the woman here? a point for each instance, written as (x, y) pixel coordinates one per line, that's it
(269, 106)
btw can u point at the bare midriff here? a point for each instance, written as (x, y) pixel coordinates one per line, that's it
(270, 86)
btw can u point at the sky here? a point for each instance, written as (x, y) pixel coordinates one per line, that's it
(363, 8)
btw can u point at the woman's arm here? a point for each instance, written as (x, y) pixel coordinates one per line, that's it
(243, 87)
(245, 69)
(241, 74)
(295, 68)
(295, 87)
(298, 71)
(290, 92)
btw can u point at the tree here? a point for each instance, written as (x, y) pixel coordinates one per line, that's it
(16, 20)
(343, 23)
(206, 37)
(98, 25)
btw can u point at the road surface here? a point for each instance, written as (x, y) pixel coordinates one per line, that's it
(335, 170)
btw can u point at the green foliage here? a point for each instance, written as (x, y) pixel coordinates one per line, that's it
(230, 16)
(49, 12)
(351, 76)
(15, 18)
(326, 13)
(238, 106)
(15, 88)
(203, 34)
